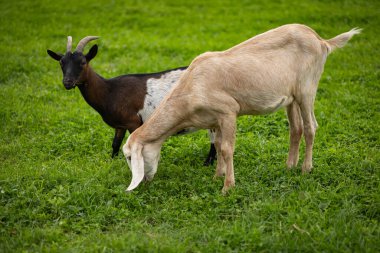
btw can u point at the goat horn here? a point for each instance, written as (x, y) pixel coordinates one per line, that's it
(84, 42)
(69, 43)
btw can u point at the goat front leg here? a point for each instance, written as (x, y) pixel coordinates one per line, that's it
(295, 133)
(212, 153)
(220, 165)
(134, 122)
(117, 140)
(226, 135)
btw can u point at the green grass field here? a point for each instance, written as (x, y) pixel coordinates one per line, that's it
(60, 191)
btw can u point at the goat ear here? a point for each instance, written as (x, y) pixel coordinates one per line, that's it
(55, 56)
(137, 166)
(92, 53)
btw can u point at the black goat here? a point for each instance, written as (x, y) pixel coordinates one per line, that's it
(124, 102)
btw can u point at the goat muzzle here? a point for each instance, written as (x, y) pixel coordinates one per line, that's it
(69, 84)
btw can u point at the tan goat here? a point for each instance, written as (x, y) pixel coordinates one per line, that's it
(279, 68)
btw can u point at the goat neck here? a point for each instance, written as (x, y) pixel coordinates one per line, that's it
(94, 89)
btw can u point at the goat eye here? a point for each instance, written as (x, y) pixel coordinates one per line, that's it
(128, 158)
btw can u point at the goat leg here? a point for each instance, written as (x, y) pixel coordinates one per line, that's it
(117, 140)
(211, 156)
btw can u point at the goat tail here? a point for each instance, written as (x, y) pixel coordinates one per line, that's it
(341, 40)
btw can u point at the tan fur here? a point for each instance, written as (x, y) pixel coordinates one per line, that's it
(279, 68)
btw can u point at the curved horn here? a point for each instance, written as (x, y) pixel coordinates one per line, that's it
(69, 43)
(84, 42)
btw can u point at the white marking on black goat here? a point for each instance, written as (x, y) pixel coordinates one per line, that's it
(157, 88)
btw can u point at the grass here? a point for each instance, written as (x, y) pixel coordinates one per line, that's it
(61, 192)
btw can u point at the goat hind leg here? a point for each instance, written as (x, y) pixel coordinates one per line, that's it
(295, 133)
(310, 127)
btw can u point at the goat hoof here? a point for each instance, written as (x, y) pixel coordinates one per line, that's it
(226, 190)
(306, 171)
(290, 165)
(306, 168)
(227, 186)
(216, 176)
(208, 162)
